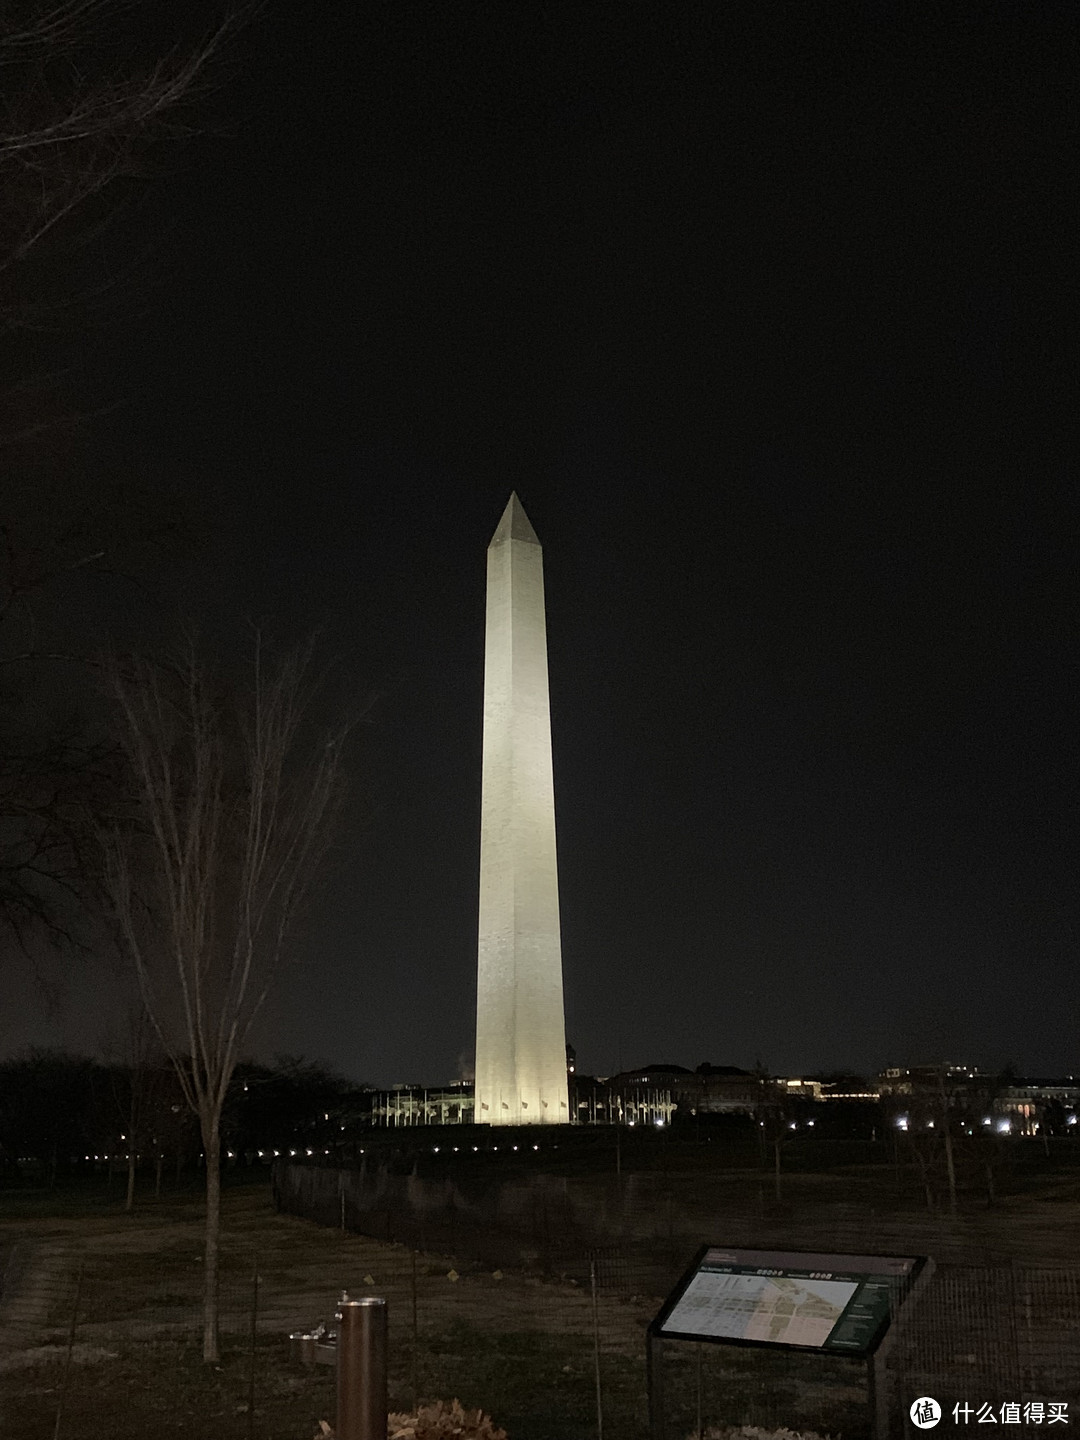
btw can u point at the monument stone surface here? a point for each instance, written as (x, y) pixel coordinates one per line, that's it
(520, 1030)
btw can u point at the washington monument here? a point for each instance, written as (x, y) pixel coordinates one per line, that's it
(520, 1032)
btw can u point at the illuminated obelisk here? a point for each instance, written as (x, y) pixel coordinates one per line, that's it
(520, 1031)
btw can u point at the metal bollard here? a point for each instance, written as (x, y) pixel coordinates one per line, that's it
(361, 1369)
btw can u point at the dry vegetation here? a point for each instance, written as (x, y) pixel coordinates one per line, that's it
(506, 1343)
(517, 1347)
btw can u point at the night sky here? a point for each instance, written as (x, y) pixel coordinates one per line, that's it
(768, 314)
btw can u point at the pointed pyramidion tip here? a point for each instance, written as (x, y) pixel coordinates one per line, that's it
(514, 524)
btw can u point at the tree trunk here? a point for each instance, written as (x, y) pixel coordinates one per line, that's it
(132, 1136)
(951, 1167)
(924, 1174)
(776, 1170)
(212, 1148)
(129, 1199)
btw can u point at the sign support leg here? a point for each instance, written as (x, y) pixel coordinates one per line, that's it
(878, 1395)
(654, 1380)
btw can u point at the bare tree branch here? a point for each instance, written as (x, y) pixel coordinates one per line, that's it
(235, 797)
(90, 92)
(76, 118)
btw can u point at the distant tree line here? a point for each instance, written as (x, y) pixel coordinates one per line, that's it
(65, 1116)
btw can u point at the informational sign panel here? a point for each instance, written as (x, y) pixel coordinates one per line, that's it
(795, 1299)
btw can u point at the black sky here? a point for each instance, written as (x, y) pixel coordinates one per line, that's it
(768, 314)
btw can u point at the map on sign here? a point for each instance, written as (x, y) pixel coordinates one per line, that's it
(773, 1308)
(795, 1299)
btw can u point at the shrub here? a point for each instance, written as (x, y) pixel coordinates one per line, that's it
(442, 1421)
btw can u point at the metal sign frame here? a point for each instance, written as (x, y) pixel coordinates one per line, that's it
(891, 1280)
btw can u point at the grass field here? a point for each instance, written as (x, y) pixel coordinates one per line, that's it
(517, 1345)
(514, 1346)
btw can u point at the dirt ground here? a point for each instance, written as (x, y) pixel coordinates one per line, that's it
(100, 1320)
(132, 1284)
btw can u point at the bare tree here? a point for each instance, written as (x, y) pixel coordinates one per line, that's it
(235, 794)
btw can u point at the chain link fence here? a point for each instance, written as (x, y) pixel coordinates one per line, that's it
(503, 1300)
(988, 1329)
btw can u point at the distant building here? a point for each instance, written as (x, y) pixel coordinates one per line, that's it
(1031, 1107)
(708, 1090)
(922, 1079)
(848, 1088)
(659, 1094)
(727, 1090)
(981, 1099)
(636, 1097)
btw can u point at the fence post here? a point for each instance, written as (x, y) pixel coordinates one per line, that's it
(596, 1349)
(70, 1348)
(415, 1359)
(1027, 1377)
(254, 1330)
(361, 1369)
(877, 1384)
(654, 1381)
(700, 1428)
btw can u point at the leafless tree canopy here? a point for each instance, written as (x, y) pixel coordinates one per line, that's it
(58, 771)
(232, 816)
(83, 101)
(92, 93)
(48, 791)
